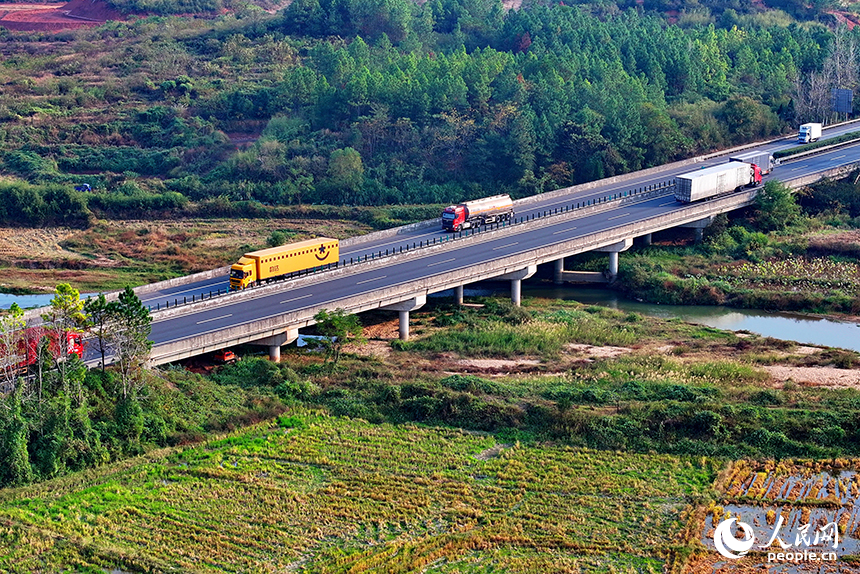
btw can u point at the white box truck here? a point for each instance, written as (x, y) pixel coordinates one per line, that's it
(716, 180)
(809, 133)
(763, 159)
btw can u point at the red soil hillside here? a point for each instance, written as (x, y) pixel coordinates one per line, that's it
(75, 14)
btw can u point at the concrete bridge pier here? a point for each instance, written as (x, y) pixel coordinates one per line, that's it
(699, 226)
(613, 251)
(458, 295)
(516, 278)
(275, 342)
(403, 309)
(646, 239)
(558, 276)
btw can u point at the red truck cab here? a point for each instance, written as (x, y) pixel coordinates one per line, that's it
(453, 217)
(756, 175)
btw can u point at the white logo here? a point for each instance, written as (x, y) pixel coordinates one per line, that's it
(726, 543)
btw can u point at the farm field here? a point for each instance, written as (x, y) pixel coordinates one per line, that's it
(325, 494)
(798, 505)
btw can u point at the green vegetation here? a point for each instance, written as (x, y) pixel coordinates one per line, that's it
(383, 104)
(332, 494)
(58, 417)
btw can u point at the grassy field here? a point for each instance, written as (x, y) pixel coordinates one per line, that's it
(327, 494)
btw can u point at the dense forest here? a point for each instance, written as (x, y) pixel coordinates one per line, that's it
(347, 102)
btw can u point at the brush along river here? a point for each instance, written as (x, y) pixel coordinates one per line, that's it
(788, 326)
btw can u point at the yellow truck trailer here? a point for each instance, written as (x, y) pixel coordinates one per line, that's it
(268, 264)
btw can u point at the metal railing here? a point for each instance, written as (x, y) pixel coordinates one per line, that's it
(627, 196)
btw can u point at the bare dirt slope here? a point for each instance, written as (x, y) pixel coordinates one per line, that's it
(38, 17)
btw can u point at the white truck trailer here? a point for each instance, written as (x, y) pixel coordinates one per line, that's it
(809, 133)
(763, 159)
(716, 180)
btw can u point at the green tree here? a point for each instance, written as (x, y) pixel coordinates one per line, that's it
(12, 340)
(775, 207)
(99, 316)
(15, 469)
(131, 344)
(339, 329)
(345, 174)
(64, 319)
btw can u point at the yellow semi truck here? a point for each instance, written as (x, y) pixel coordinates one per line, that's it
(269, 264)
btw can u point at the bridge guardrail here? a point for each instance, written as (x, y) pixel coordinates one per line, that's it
(817, 151)
(585, 207)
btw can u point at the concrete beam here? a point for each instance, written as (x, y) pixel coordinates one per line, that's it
(622, 245)
(519, 274)
(613, 251)
(403, 309)
(584, 277)
(699, 226)
(275, 342)
(516, 278)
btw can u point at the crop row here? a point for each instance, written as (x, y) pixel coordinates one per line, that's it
(334, 494)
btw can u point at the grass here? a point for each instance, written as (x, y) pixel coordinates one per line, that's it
(332, 494)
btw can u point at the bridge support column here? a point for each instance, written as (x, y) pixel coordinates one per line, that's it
(403, 309)
(275, 342)
(458, 295)
(699, 226)
(558, 276)
(646, 239)
(613, 251)
(613, 264)
(516, 278)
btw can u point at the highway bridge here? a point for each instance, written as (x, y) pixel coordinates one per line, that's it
(396, 269)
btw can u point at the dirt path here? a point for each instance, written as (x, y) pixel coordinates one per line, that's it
(829, 377)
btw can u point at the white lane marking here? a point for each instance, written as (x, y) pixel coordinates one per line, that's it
(297, 298)
(617, 216)
(665, 204)
(508, 245)
(835, 158)
(441, 262)
(214, 319)
(374, 279)
(563, 230)
(801, 167)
